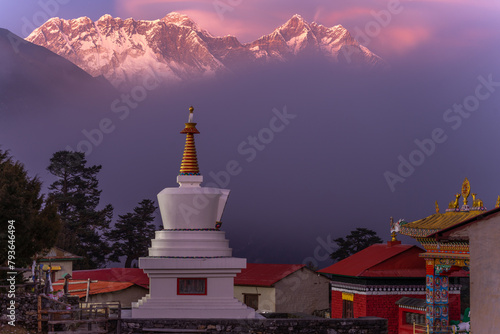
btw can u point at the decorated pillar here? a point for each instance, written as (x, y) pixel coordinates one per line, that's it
(437, 293)
(429, 293)
(441, 309)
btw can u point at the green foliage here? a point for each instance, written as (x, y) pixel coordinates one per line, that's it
(77, 196)
(37, 223)
(133, 232)
(357, 240)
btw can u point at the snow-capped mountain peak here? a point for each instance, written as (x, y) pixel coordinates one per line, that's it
(173, 48)
(106, 17)
(179, 19)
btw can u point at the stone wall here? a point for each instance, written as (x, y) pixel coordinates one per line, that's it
(267, 301)
(303, 291)
(26, 308)
(369, 325)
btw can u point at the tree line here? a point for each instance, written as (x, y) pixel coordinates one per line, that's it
(69, 216)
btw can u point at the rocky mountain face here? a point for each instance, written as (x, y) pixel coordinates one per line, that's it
(172, 49)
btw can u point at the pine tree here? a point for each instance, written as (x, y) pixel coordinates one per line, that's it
(77, 194)
(133, 232)
(36, 222)
(357, 240)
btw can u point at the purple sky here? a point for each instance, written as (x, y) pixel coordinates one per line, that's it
(312, 181)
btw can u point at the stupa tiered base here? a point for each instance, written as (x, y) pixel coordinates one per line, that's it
(190, 244)
(191, 288)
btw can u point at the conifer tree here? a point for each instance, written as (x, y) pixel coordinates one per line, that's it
(357, 240)
(133, 232)
(77, 194)
(36, 223)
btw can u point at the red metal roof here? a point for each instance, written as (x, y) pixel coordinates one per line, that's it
(264, 274)
(381, 260)
(133, 275)
(80, 289)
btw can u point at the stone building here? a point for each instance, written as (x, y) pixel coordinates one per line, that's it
(59, 261)
(282, 288)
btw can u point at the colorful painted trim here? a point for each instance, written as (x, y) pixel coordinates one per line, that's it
(190, 229)
(189, 257)
(454, 247)
(417, 232)
(385, 289)
(452, 262)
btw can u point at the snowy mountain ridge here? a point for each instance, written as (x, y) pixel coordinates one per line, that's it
(174, 48)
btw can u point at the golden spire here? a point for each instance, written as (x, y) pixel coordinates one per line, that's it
(437, 207)
(498, 202)
(189, 164)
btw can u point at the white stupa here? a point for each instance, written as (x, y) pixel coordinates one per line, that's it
(190, 265)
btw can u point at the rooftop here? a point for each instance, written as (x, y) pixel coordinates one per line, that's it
(255, 274)
(424, 227)
(381, 260)
(412, 303)
(79, 288)
(265, 274)
(455, 214)
(58, 254)
(131, 275)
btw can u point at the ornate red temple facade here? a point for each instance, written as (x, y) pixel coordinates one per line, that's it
(445, 253)
(373, 282)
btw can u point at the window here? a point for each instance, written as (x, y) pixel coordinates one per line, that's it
(191, 286)
(251, 300)
(347, 309)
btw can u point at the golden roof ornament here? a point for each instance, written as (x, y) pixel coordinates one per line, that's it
(189, 164)
(476, 203)
(465, 190)
(437, 207)
(498, 202)
(454, 204)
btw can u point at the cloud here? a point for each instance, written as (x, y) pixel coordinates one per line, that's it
(343, 16)
(401, 40)
(147, 8)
